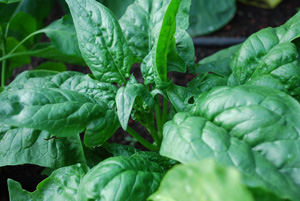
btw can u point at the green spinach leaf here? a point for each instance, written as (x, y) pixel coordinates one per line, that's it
(269, 58)
(206, 17)
(62, 184)
(28, 146)
(132, 176)
(203, 181)
(243, 127)
(101, 41)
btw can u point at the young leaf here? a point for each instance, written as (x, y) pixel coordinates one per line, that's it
(126, 97)
(101, 41)
(141, 24)
(62, 184)
(62, 34)
(205, 82)
(133, 177)
(242, 127)
(21, 29)
(165, 42)
(38, 9)
(204, 22)
(202, 181)
(28, 146)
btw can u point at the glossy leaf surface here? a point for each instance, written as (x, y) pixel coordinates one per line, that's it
(61, 112)
(97, 96)
(269, 58)
(133, 177)
(203, 181)
(28, 146)
(141, 25)
(101, 41)
(61, 185)
(249, 127)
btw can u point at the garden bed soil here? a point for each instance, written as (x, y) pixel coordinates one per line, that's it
(247, 20)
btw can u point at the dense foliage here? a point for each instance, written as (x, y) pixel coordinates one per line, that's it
(231, 134)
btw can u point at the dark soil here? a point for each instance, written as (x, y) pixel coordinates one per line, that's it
(248, 20)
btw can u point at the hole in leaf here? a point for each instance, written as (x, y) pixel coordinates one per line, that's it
(191, 100)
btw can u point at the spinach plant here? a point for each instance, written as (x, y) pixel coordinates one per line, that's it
(234, 128)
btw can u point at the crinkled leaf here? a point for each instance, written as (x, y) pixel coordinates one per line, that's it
(219, 62)
(62, 184)
(58, 111)
(126, 97)
(68, 80)
(28, 146)
(255, 129)
(202, 181)
(269, 58)
(209, 16)
(101, 41)
(132, 177)
(96, 111)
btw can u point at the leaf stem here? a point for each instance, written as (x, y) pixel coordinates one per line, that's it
(141, 140)
(24, 40)
(3, 68)
(158, 118)
(165, 110)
